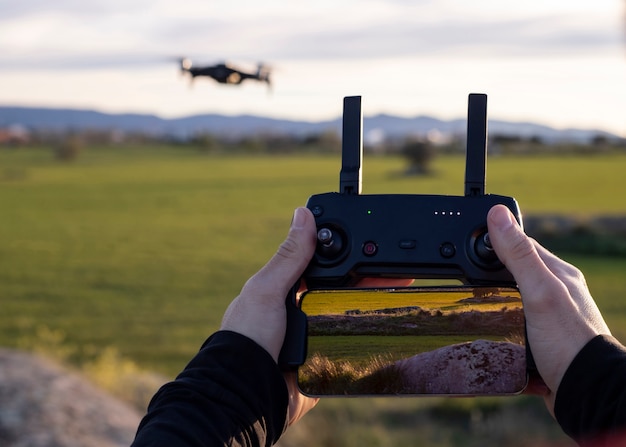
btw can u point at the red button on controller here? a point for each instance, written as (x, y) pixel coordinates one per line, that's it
(370, 248)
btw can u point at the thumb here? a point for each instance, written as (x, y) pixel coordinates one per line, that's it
(290, 260)
(516, 250)
(259, 311)
(544, 295)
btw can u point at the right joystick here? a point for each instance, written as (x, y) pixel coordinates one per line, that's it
(330, 243)
(484, 249)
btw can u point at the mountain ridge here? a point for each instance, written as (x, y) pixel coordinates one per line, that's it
(64, 119)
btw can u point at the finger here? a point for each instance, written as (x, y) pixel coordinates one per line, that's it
(576, 284)
(559, 267)
(259, 311)
(512, 246)
(290, 260)
(560, 315)
(518, 253)
(299, 404)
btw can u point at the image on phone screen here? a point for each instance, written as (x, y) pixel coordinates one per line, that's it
(459, 340)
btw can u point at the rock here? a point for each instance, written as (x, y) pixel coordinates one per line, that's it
(42, 404)
(479, 367)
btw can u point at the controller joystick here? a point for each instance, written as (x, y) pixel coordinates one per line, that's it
(484, 249)
(329, 243)
(325, 237)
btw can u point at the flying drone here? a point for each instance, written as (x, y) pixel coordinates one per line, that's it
(225, 73)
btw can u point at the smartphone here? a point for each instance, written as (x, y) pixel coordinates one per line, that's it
(436, 341)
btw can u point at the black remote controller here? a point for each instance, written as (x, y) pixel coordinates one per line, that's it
(400, 235)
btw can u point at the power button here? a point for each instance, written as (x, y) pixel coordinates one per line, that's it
(447, 250)
(370, 248)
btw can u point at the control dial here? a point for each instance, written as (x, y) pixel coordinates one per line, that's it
(330, 243)
(484, 249)
(481, 251)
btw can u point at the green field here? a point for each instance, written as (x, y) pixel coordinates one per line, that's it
(360, 349)
(354, 326)
(138, 248)
(443, 298)
(142, 249)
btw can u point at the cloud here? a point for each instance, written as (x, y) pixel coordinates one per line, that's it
(526, 37)
(73, 34)
(12, 10)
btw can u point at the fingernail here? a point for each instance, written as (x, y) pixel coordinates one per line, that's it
(298, 219)
(501, 217)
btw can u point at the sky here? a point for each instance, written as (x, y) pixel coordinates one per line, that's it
(556, 62)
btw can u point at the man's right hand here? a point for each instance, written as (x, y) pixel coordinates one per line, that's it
(561, 316)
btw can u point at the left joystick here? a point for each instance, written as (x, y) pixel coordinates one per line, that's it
(329, 243)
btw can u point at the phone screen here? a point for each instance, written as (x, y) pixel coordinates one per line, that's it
(460, 340)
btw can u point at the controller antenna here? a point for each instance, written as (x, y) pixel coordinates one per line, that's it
(476, 155)
(352, 146)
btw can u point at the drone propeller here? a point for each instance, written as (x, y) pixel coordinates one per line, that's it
(263, 72)
(185, 64)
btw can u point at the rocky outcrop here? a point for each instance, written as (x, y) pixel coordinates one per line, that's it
(478, 367)
(42, 404)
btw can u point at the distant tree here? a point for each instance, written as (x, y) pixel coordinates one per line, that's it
(484, 292)
(420, 154)
(326, 141)
(69, 148)
(599, 140)
(205, 142)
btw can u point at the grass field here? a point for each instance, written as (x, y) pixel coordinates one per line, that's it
(359, 349)
(136, 247)
(142, 249)
(443, 298)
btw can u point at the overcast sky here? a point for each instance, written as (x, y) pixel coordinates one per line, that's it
(558, 62)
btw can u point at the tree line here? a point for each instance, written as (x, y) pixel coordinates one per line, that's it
(419, 150)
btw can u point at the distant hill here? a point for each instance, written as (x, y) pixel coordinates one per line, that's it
(242, 125)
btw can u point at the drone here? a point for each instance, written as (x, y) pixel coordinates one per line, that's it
(225, 73)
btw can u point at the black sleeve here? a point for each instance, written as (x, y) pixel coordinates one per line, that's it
(591, 399)
(232, 393)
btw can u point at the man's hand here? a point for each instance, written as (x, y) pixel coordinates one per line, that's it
(259, 311)
(561, 316)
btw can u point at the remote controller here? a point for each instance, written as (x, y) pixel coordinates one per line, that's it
(400, 235)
